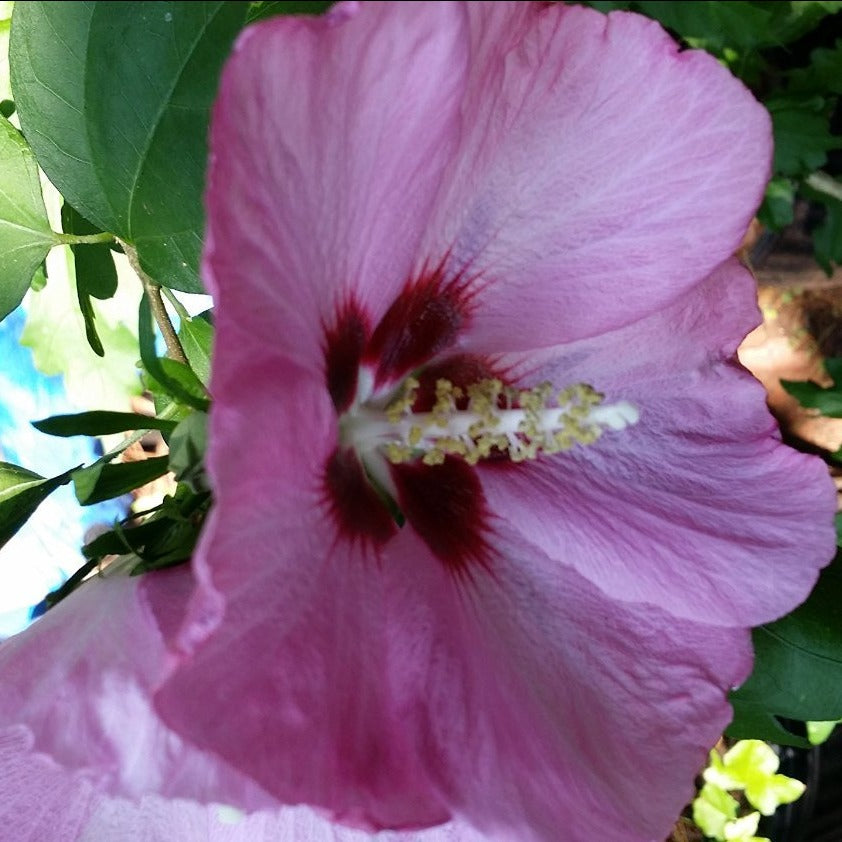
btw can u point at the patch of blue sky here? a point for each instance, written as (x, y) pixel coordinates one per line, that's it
(47, 549)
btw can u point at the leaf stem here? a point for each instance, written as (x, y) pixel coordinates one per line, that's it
(78, 239)
(159, 311)
(176, 305)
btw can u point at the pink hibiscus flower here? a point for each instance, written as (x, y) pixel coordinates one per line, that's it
(83, 757)
(428, 589)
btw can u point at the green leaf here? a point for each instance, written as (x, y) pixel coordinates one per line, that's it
(777, 210)
(606, 6)
(119, 540)
(21, 492)
(47, 54)
(828, 400)
(131, 84)
(25, 234)
(827, 238)
(798, 659)
(822, 76)
(103, 481)
(745, 26)
(794, 19)
(187, 450)
(96, 275)
(752, 720)
(167, 537)
(802, 136)
(819, 732)
(5, 88)
(714, 25)
(55, 332)
(175, 378)
(268, 9)
(196, 337)
(99, 423)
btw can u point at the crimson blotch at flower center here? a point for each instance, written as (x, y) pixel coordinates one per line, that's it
(407, 403)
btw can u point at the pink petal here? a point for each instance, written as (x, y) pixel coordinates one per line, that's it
(554, 712)
(328, 141)
(157, 820)
(601, 172)
(42, 801)
(292, 685)
(698, 507)
(391, 691)
(81, 679)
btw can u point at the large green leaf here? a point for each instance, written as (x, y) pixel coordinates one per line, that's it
(25, 234)
(47, 54)
(798, 660)
(21, 492)
(115, 99)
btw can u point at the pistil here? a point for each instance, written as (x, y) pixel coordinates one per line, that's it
(485, 419)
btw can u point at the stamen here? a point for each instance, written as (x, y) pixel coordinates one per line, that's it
(491, 422)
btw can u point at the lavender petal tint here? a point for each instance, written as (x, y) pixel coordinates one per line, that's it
(83, 758)
(525, 646)
(405, 640)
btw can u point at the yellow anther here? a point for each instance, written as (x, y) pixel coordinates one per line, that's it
(403, 404)
(433, 457)
(397, 453)
(497, 419)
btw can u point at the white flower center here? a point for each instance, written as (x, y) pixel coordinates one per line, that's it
(494, 419)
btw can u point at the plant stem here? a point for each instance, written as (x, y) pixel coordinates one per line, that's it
(159, 311)
(77, 239)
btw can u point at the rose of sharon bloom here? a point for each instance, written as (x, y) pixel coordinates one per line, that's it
(495, 504)
(77, 728)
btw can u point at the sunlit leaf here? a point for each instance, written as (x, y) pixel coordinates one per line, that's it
(21, 492)
(25, 234)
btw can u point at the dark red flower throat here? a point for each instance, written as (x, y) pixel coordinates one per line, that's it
(369, 496)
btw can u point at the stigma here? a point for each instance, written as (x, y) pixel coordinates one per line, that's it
(487, 419)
